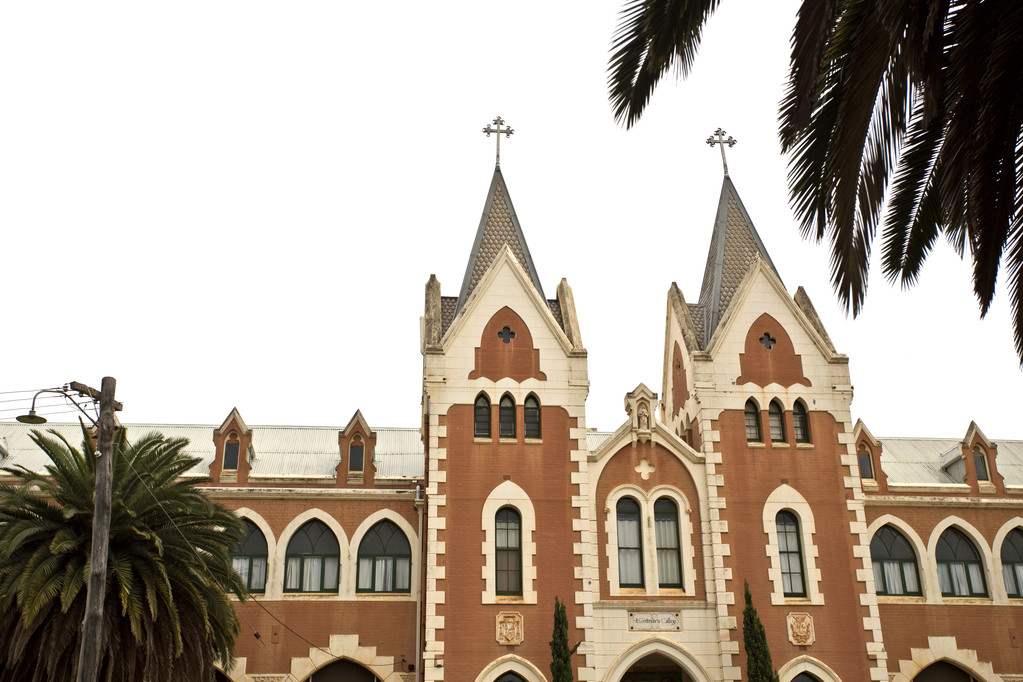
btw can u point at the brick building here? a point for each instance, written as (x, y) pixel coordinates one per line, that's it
(436, 552)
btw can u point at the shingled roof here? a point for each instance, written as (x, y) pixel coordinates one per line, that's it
(498, 226)
(733, 247)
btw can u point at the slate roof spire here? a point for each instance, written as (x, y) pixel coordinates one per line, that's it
(499, 226)
(734, 245)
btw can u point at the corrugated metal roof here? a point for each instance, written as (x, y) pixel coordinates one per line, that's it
(920, 460)
(595, 439)
(279, 450)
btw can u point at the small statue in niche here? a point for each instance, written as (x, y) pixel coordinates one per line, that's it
(644, 417)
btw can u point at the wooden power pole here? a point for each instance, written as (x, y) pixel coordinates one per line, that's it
(92, 630)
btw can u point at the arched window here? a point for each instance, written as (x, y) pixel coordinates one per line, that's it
(805, 677)
(669, 558)
(630, 544)
(532, 416)
(311, 562)
(510, 677)
(800, 422)
(776, 417)
(481, 418)
(249, 558)
(1012, 563)
(752, 422)
(356, 454)
(960, 570)
(980, 464)
(895, 571)
(507, 417)
(864, 460)
(790, 551)
(509, 551)
(385, 560)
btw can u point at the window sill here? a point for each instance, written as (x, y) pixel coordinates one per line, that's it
(509, 599)
(534, 441)
(780, 444)
(869, 484)
(383, 596)
(508, 441)
(901, 599)
(804, 446)
(310, 595)
(950, 599)
(755, 444)
(482, 439)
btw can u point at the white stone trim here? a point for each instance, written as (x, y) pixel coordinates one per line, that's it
(659, 645)
(807, 664)
(998, 590)
(785, 497)
(274, 578)
(511, 663)
(344, 647)
(508, 494)
(290, 530)
(926, 569)
(944, 649)
(646, 500)
(352, 559)
(979, 543)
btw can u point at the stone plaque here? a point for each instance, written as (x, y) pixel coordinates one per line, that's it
(800, 627)
(509, 628)
(654, 621)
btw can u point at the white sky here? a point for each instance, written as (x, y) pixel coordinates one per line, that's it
(239, 204)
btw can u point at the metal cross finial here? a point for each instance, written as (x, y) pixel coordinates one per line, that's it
(507, 132)
(722, 141)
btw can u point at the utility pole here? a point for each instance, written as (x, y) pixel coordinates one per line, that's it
(92, 630)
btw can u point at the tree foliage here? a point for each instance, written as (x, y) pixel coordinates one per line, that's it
(913, 103)
(561, 654)
(754, 641)
(165, 615)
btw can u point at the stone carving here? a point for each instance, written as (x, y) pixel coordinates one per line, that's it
(268, 678)
(800, 627)
(654, 621)
(644, 417)
(509, 628)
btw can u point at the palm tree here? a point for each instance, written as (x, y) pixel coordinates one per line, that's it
(929, 89)
(166, 616)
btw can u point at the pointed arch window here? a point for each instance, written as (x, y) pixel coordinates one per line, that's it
(960, 569)
(507, 414)
(356, 455)
(385, 560)
(864, 460)
(481, 417)
(509, 551)
(531, 414)
(669, 557)
(790, 552)
(980, 464)
(249, 558)
(231, 451)
(312, 560)
(752, 422)
(630, 544)
(776, 418)
(1012, 563)
(800, 422)
(895, 567)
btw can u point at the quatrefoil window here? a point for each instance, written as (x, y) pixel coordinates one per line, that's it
(766, 340)
(506, 334)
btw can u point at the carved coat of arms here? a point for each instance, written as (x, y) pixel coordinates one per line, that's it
(509, 628)
(800, 626)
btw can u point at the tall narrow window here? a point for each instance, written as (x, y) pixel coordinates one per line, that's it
(481, 419)
(800, 422)
(630, 544)
(249, 558)
(531, 409)
(356, 452)
(507, 417)
(669, 559)
(752, 422)
(895, 570)
(509, 551)
(385, 560)
(790, 551)
(776, 417)
(1012, 563)
(231, 456)
(865, 462)
(980, 464)
(312, 559)
(960, 570)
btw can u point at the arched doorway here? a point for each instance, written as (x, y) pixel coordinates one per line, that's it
(805, 677)
(343, 671)
(510, 677)
(942, 671)
(655, 668)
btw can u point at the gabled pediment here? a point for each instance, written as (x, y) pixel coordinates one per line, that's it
(861, 431)
(233, 419)
(973, 434)
(357, 421)
(659, 435)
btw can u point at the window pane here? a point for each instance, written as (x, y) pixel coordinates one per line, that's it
(800, 424)
(775, 417)
(944, 579)
(866, 468)
(976, 578)
(752, 422)
(1009, 576)
(365, 573)
(981, 465)
(330, 566)
(402, 568)
(667, 567)
(481, 423)
(231, 456)
(960, 586)
(909, 573)
(1019, 580)
(241, 567)
(879, 578)
(355, 457)
(507, 418)
(893, 577)
(293, 573)
(532, 418)
(383, 576)
(630, 567)
(311, 569)
(257, 583)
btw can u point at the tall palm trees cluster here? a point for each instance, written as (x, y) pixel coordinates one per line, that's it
(166, 614)
(913, 104)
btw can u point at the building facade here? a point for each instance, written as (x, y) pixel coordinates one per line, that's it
(436, 552)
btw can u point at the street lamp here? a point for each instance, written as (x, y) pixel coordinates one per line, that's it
(36, 419)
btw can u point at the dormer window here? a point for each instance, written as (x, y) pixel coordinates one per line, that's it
(231, 450)
(863, 458)
(980, 464)
(356, 452)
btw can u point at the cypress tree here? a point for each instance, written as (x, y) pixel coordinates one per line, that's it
(561, 654)
(754, 639)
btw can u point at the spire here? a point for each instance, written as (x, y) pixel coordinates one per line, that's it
(499, 226)
(734, 246)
